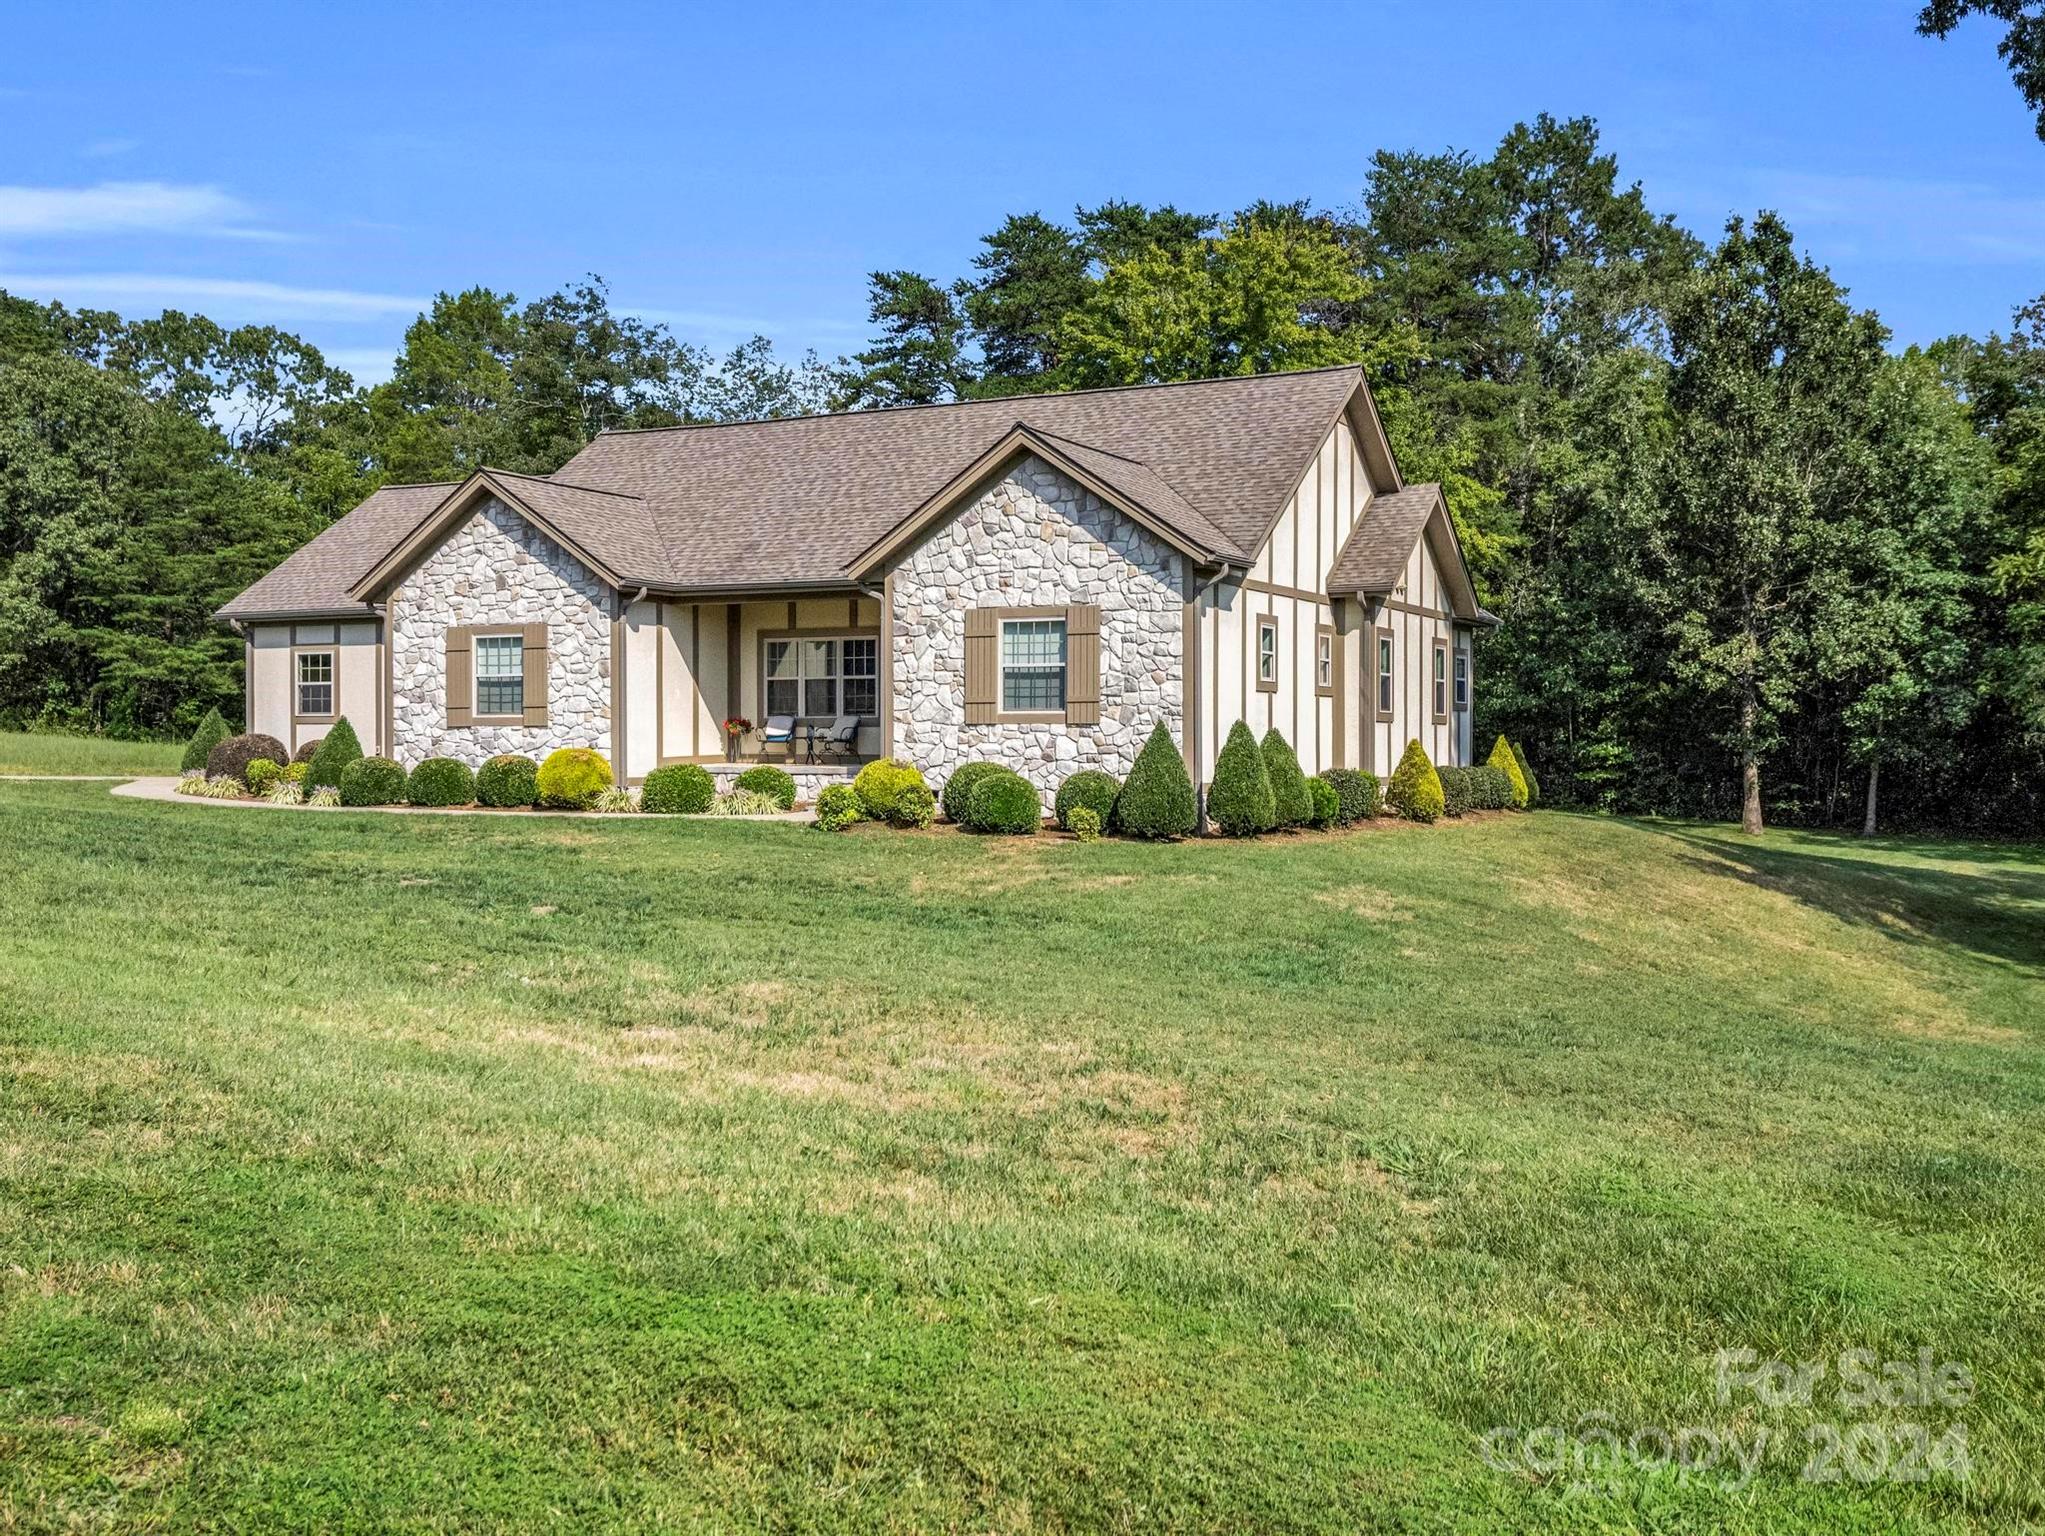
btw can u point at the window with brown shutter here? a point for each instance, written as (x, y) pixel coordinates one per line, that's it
(1034, 665)
(1083, 665)
(460, 677)
(496, 674)
(983, 664)
(535, 674)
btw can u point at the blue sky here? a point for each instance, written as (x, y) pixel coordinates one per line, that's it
(734, 169)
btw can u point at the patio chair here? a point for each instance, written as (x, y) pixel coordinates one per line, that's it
(842, 739)
(779, 728)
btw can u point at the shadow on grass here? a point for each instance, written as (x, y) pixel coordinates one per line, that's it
(1995, 914)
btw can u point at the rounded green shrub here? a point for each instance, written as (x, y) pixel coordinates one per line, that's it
(1327, 804)
(307, 750)
(338, 748)
(1157, 798)
(1356, 792)
(1292, 803)
(230, 759)
(1415, 790)
(1005, 803)
(916, 807)
(882, 786)
(441, 781)
(1456, 790)
(572, 777)
(1490, 790)
(372, 781)
(776, 784)
(1241, 800)
(1519, 755)
(1085, 824)
(212, 730)
(838, 807)
(1089, 789)
(508, 780)
(679, 789)
(1502, 759)
(958, 789)
(262, 775)
(294, 773)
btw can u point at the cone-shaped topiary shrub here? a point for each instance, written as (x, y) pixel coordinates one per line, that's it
(1292, 802)
(441, 781)
(776, 784)
(1519, 755)
(958, 789)
(1005, 803)
(1415, 790)
(1355, 791)
(882, 786)
(1157, 798)
(1502, 759)
(1241, 802)
(1089, 787)
(508, 780)
(230, 759)
(211, 732)
(1327, 804)
(679, 789)
(372, 781)
(338, 748)
(572, 777)
(838, 807)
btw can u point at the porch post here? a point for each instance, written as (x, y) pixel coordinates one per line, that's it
(887, 665)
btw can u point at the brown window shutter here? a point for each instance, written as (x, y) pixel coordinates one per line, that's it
(1083, 664)
(535, 658)
(983, 664)
(461, 687)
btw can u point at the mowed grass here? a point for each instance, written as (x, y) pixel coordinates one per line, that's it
(450, 1173)
(54, 752)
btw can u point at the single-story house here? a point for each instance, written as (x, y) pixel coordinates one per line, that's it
(1037, 580)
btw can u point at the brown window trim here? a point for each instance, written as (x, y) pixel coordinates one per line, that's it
(1325, 632)
(1267, 621)
(333, 650)
(1439, 681)
(488, 632)
(839, 632)
(1380, 639)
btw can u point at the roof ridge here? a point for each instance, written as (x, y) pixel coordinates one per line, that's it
(1080, 442)
(566, 485)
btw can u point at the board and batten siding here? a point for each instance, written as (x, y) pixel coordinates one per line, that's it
(1417, 614)
(360, 668)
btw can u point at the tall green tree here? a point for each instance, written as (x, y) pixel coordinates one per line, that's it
(1030, 276)
(919, 357)
(582, 368)
(2022, 46)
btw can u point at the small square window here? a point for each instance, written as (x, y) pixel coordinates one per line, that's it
(316, 684)
(500, 676)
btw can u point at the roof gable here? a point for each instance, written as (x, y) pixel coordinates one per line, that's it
(1373, 562)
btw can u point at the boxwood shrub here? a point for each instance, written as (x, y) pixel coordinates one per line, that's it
(915, 807)
(307, 750)
(1490, 790)
(679, 789)
(1502, 759)
(1241, 801)
(508, 780)
(1292, 803)
(212, 731)
(572, 777)
(885, 791)
(958, 789)
(1157, 798)
(441, 781)
(262, 775)
(372, 781)
(1455, 790)
(1086, 825)
(338, 748)
(1327, 804)
(775, 783)
(230, 759)
(1356, 794)
(1415, 790)
(1090, 789)
(1005, 803)
(838, 807)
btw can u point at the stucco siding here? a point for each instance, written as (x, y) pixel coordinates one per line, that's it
(269, 658)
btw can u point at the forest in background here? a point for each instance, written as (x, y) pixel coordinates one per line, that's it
(1747, 556)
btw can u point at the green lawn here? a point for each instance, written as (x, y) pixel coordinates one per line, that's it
(463, 1173)
(53, 752)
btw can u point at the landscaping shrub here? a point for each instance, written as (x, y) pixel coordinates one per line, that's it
(294, 773)
(1157, 798)
(441, 781)
(1355, 791)
(1085, 824)
(916, 808)
(1327, 804)
(1502, 759)
(838, 807)
(372, 781)
(1519, 755)
(261, 775)
(617, 800)
(958, 789)
(1292, 803)
(1241, 801)
(323, 796)
(337, 750)
(679, 789)
(211, 732)
(885, 787)
(746, 802)
(1005, 803)
(508, 780)
(1455, 790)
(209, 789)
(1490, 790)
(1415, 790)
(230, 759)
(1089, 789)
(775, 783)
(286, 792)
(572, 777)
(307, 750)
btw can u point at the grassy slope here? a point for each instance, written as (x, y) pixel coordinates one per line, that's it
(50, 752)
(474, 1172)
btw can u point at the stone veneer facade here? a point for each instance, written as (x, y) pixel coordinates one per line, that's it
(1035, 538)
(498, 569)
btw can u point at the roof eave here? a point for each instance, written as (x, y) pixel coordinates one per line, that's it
(428, 530)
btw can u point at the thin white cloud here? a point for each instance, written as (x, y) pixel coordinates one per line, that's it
(125, 207)
(269, 301)
(106, 149)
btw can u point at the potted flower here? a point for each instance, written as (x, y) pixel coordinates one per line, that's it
(735, 730)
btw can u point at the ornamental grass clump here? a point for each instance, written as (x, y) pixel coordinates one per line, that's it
(1242, 802)
(616, 800)
(1157, 798)
(776, 784)
(679, 789)
(508, 781)
(212, 730)
(1005, 804)
(441, 781)
(1357, 794)
(1089, 789)
(746, 802)
(1415, 790)
(572, 777)
(958, 789)
(1502, 759)
(338, 748)
(372, 781)
(893, 791)
(1292, 803)
(286, 792)
(230, 759)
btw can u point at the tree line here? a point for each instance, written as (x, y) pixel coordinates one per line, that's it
(1748, 558)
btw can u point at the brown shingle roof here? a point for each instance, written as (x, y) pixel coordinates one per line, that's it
(1375, 557)
(316, 576)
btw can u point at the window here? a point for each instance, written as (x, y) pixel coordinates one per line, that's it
(315, 684)
(1384, 674)
(821, 679)
(500, 676)
(1462, 681)
(1441, 680)
(1032, 666)
(1324, 662)
(862, 678)
(1267, 655)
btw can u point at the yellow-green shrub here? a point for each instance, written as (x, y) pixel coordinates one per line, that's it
(1415, 790)
(572, 777)
(1502, 759)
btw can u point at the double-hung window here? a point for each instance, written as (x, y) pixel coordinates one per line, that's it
(822, 679)
(1033, 666)
(1324, 662)
(1441, 680)
(1267, 655)
(1462, 681)
(315, 685)
(1385, 674)
(500, 676)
